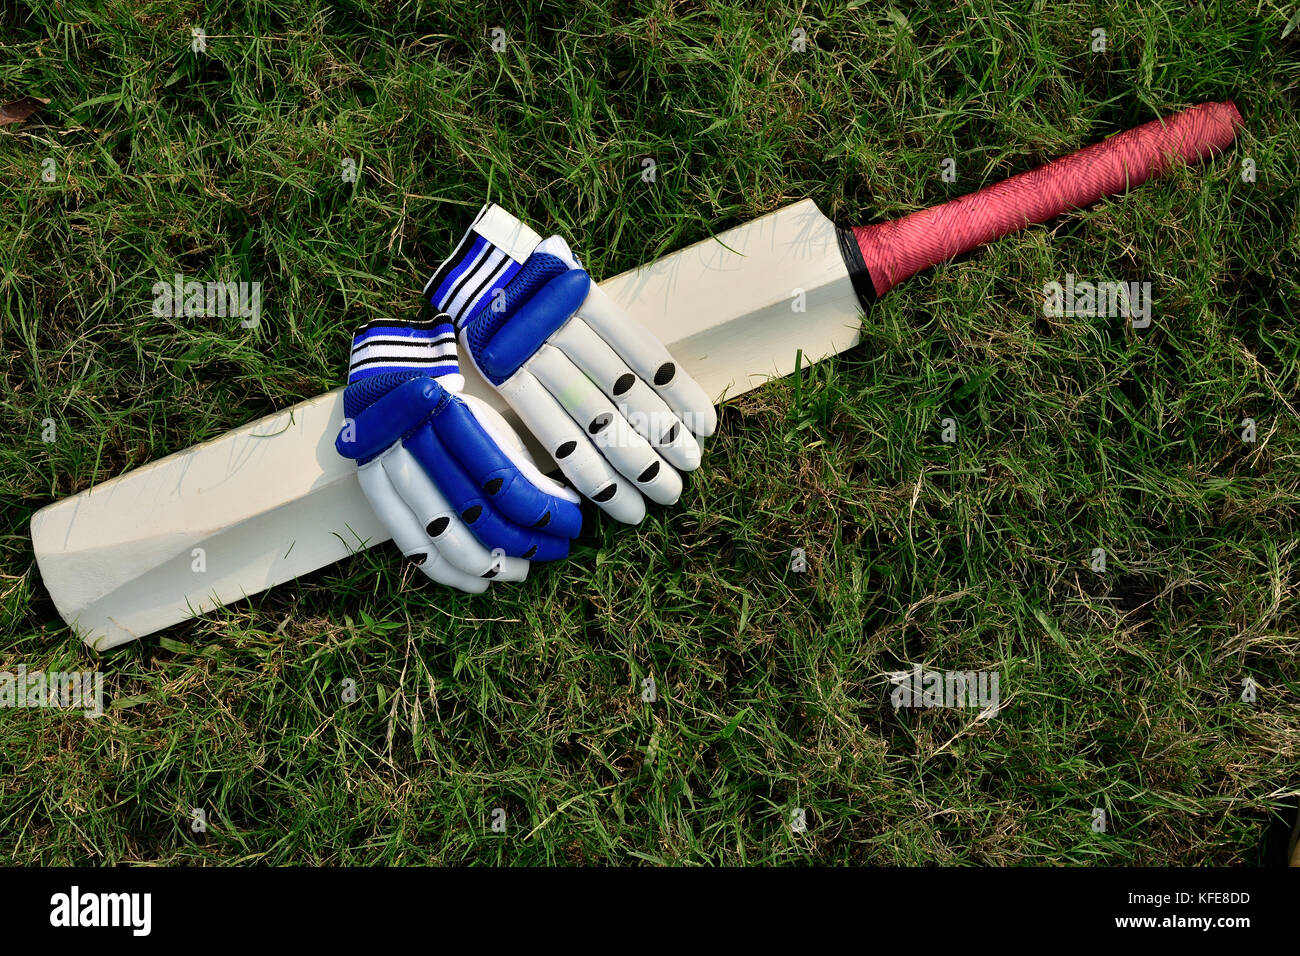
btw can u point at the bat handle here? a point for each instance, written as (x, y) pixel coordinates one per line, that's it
(894, 251)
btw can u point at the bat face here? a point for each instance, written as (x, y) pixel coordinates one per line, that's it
(272, 501)
(735, 309)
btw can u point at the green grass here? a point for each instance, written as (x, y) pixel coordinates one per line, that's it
(1121, 691)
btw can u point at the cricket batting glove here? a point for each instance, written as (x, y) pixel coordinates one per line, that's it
(444, 472)
(597, 389)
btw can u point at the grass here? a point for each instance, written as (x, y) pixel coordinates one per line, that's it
(1121, 691)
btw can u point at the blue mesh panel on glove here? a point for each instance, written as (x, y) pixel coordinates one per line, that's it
(360, 395)
(540, 269)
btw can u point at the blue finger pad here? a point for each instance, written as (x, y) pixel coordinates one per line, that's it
(532, 324)
(389, 418)
(517, 498)
(463, 436)
(490, 528)
(549, 548)
(561, 517)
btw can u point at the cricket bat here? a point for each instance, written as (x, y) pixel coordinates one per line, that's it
(272, 501)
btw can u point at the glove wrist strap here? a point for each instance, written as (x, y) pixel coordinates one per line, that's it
(426, 346)
(488, 256)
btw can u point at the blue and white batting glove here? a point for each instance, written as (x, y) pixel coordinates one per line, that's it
(445, 473)
(596, 388)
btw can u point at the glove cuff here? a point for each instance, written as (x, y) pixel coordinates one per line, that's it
(426, 346)
(489, 255)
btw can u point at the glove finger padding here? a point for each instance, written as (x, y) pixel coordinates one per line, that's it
(469, 503)
(569, 445)
(442, 525)
(611, 433)
(452, 482)
(644, 410)
(652, 363)
(596, 388)
(491, 453)
(407, 533)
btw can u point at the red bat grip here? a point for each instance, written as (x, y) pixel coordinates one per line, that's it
(894, 251)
